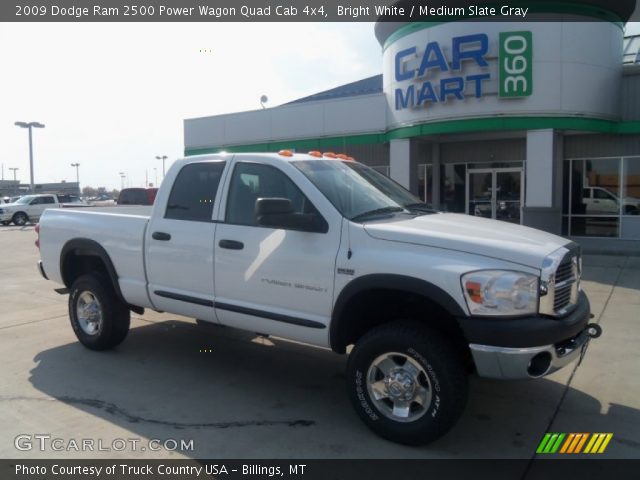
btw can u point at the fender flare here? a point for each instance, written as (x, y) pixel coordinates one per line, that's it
(90, 248)
(391, 282)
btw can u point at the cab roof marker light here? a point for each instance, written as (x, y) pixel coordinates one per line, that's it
(351, 159)
(315, 153)
(329, 155)
(341, 156)
(285, 153)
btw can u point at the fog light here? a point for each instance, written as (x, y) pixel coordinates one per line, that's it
(539, 364)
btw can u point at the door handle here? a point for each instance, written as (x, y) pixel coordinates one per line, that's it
(231, 244)
(161, 236)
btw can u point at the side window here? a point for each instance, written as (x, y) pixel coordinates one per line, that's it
(602, 195)
(194, 191)
(48, 200)
(251, 181)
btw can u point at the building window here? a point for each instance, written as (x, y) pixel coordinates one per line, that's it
(602, 197)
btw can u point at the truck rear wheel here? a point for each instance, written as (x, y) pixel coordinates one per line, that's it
(99, 318)
(407, 382)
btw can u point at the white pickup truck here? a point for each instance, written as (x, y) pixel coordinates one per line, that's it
(329, 252)
(29, 208)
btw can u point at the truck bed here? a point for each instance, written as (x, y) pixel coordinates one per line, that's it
(118, 230)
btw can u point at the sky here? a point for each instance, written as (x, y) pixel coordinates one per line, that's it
(114, 96)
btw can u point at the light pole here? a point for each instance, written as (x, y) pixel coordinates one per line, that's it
(77, 175)
(30, 126)
(122, 177)
(155, 170)
(15, 186)
(163, 158)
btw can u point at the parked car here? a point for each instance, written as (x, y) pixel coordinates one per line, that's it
(137, 196)
(600, 201)
(324, 252)
(27, 209)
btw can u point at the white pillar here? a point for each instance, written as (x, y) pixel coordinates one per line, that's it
(540, 168)
(400, 161)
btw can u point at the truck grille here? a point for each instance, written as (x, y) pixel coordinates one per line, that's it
(565, 278)
(560, 281)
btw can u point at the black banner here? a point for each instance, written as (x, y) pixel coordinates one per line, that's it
(312, 10)
(543, 469)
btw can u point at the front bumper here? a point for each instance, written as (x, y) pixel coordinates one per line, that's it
(522, 363)
(521, 348)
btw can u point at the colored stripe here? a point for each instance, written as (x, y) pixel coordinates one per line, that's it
(596, 445)
(544, 441)
(554, 449)
(575, 442)
(590, 444)
(584, 439)
(605, 443)
(568, 442)
(552, 440)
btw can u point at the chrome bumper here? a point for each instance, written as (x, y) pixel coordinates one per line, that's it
(532, 362)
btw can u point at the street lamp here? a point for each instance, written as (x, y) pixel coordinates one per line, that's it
(30, 126)
(163, 158)
(155, 170)
(77, 174)
(122, 177)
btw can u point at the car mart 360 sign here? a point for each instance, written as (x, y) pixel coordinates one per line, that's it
(431, 76)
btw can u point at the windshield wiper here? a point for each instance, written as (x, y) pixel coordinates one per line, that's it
(377, 211)
(421, 207)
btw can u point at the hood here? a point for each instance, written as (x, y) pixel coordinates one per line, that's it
(475, 235)
(10, 205)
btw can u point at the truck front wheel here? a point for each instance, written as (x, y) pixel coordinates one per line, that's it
(99, 318)
(407, 382)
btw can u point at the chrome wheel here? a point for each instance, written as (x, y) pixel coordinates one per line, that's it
(399, 387)
(89, 313)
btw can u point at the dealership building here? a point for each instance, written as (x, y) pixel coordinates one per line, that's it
(534, 122)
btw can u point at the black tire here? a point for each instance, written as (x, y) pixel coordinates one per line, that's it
(115, 317)
(5, 223)
(442, 374)
(20, 219)
(631, 210)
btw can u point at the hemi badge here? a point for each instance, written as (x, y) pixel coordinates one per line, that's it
(346, 271)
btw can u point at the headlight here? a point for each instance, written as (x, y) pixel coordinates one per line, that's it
(500, 292)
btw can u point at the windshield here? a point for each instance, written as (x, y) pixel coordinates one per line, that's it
(346, 189)
(25, 200)
(399, 194)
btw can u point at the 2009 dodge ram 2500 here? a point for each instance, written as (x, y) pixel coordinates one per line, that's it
(329, 252)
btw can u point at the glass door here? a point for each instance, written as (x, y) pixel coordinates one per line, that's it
(495, 193)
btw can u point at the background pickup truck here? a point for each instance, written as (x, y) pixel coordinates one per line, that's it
(326, 251)
(29, 208)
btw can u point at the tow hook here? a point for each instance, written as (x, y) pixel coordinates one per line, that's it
(594, 330)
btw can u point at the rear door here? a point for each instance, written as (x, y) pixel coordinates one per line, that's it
(179, 242)
(38, 205)
(272, 280)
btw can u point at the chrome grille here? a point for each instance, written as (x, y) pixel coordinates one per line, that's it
(560, 282)
(565, 278)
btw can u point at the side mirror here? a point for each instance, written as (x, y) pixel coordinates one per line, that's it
(278, 213)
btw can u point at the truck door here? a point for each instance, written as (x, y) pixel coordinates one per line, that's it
(179, 242)
(274, 280)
